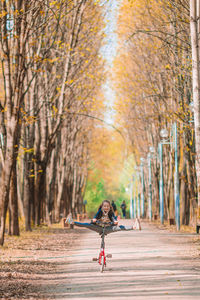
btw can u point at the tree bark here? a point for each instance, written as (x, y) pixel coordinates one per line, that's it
(6, 175)
(14, 224)
(196, 87)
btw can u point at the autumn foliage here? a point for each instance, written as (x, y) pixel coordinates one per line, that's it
(154, 83)
(49, 54)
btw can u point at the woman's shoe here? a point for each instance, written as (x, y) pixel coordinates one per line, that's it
(69, 219)
(137, 225)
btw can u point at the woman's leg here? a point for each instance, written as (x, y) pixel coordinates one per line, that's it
(90, 226)
(111, 229)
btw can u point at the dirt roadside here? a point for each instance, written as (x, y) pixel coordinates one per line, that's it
(57, 264)
(29, 263)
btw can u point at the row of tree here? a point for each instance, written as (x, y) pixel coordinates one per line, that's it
(49, 54)
(157, 78)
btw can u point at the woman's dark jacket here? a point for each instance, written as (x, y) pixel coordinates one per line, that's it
(111, 215)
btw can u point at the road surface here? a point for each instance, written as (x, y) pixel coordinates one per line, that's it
(148, 264)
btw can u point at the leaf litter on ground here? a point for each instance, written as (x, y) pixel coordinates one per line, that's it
(26, 262)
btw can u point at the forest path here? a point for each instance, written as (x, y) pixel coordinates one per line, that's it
(148, 264)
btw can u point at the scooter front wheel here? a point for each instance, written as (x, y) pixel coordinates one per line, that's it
(102, 265)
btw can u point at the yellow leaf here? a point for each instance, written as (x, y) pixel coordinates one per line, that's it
(55, 109)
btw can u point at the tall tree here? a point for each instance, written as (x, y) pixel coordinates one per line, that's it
(195, 43)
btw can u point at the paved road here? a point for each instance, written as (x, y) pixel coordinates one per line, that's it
(147, 264)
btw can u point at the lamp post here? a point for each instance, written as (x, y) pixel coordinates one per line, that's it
(164, 141)
(151, 151)
(135, 205)
(138, 206)
(176, 179)
(161, 188)
(134, 196)
(142, 184)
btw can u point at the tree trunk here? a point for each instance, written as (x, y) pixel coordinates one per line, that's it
(6, 177)
(40, 195)
(184, 195)
(19, 194)
(14, 224)
(27, 207)
(196, 87)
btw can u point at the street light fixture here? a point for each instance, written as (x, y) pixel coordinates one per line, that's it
(164, 140)
(152, 149)
(191, 107)
(164, 134)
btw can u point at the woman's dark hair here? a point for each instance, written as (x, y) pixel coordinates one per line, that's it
(106, 201)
